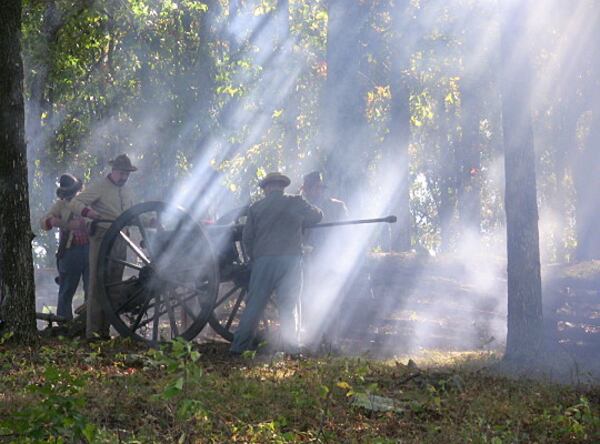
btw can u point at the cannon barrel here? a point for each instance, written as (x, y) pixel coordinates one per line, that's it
(388, 219)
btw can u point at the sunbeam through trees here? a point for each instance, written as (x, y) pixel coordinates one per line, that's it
(458, 141)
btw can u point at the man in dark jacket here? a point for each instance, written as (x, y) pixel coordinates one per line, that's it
(314, 191)
(272, 238)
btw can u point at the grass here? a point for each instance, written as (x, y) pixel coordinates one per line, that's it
(65, 391)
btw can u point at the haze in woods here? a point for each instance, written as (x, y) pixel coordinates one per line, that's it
(476, 123)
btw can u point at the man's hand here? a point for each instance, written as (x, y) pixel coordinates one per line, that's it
(77, 224)
(92, 214)
(54, 221)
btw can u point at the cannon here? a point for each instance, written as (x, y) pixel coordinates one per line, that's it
(164, 275)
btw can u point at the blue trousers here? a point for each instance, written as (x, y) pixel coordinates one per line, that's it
(281, 275)
(72, 266)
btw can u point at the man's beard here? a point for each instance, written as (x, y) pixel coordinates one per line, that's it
(121, 182)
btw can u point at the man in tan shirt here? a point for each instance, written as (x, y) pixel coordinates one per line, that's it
(73, 249)
(105, 199)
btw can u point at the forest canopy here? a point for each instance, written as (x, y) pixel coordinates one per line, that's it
(215, 94)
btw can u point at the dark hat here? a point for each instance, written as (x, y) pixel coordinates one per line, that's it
(122, 163)
(312, 178)
(68, 186)
(275, 177)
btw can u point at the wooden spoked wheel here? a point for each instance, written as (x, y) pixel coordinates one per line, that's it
(158, 274)
(230, 305)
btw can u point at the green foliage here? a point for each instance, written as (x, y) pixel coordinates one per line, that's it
(166, 81)
(6, 337)
(209, 398)
(577, 421)
(54, 413)
(179, 360)
(249, 354)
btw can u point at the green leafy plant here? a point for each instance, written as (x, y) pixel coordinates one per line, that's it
(578, 420)
(57, 416)
(249, 354)
(179, 359)
(6, 337)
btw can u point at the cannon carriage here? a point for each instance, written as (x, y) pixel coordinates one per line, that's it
(175, 275)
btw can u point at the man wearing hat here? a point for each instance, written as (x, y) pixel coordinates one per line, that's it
(322, 290)
(314, 191)
(272, 238)
(104, 199)
(73, 246)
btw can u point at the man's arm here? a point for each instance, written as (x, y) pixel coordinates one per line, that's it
(341, 211)
(310, 214)
(81, 204)
(248, 235)
(52, 218)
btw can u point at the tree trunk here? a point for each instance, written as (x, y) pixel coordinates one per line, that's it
(396, 146)
(524, 278)
(18, 309)
(345, 126)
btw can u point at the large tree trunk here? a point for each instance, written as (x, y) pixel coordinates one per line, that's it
(524, 278)
(345, 126)
(396, 147)
(18, 308)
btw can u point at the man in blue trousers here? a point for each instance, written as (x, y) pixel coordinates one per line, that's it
(73, 248)
(272, 238)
